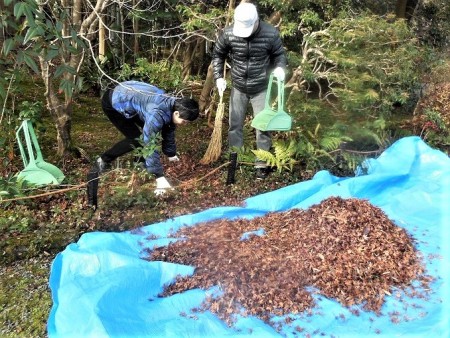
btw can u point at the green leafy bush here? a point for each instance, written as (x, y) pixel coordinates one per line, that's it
(163, 74)
(373, 63)
(11, 187)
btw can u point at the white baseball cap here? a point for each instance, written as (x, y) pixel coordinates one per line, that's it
(245, 17)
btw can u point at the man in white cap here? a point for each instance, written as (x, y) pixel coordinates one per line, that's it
(255, 50)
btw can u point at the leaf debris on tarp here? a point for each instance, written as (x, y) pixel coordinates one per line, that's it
(347, 249)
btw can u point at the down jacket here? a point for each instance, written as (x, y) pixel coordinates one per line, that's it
(155, 109)
(252, 58)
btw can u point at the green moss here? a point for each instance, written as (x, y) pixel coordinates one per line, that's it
(25, 298)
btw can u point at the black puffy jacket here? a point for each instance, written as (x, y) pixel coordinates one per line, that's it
(252, 58)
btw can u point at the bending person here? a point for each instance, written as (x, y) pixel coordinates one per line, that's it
(136, 108)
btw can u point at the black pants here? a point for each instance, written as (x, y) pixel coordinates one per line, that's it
(130, 128)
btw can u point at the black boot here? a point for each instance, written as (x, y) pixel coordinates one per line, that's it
(262, 173)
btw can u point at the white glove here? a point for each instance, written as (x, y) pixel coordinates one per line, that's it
(174, 159)
(161, 186)
(279, 73)
(221, 84)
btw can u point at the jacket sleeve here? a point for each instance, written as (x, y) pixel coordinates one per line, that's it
(153, 124)
(169, 147)
(220, 53)
(278, 54)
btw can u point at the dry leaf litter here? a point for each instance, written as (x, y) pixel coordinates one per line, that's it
(347, 249)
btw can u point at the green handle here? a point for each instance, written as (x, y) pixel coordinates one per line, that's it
(34, 151)
(21, 147)
(280, 94)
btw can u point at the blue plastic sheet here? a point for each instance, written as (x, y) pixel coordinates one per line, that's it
(101, 286)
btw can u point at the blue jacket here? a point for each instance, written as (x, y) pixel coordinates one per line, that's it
(155, 108)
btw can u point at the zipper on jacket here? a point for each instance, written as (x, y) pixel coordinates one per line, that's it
(248, 65)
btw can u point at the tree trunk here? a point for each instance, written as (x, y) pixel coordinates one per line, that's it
(58, 102)
(101, 39)
(60, 112)
(193, 56)
(208, 86)
(400, 8)
(64, 128)
(136, 35)
(188, 56)
(200, 56)
(404, 9)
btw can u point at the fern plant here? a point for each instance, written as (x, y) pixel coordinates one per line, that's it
(317, 150)
(314, 150)
(283, 156)
(244, 154)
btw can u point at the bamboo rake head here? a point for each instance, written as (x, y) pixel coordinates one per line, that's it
(214, 150)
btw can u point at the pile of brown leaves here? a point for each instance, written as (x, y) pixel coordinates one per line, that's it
(346, 248)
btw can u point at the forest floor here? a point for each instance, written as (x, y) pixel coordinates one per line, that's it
(33, 231)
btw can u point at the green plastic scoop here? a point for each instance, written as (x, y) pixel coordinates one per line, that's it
(37, 171)
(273, 120)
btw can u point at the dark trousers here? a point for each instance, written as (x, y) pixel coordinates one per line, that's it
(130, 128)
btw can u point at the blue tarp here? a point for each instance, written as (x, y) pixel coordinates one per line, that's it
(101, 286)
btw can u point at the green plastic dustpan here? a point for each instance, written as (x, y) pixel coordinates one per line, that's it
(273, 120)
(36, 171)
